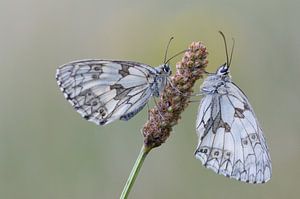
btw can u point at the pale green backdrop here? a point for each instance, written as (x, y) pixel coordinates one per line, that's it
(47, 151)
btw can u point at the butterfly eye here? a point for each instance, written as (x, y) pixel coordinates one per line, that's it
(166, 68)
(223, 70)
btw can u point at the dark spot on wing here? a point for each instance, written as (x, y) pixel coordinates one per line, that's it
(246, 106)
(216, 153)
(68, 97)
(124, 71)
(116, 86)
(95, 76)
(101, 110)
(94, 103)
(225, 125)
(97, 67)
(239, 113)
(121, 92)
(102, 122)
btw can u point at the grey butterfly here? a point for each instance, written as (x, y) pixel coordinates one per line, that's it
(103, 91)
(231, 141)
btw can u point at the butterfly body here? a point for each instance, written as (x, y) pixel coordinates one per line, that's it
(215, 84)
(103, 91)
(231, 141)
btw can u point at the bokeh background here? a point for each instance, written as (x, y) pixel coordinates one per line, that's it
(48, 151)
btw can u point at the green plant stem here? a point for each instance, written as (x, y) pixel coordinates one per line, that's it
(135, 171)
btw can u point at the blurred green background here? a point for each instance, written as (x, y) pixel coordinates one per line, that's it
(48, 151)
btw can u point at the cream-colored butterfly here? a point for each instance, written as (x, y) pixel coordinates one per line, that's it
(103, 91)
(231, 141)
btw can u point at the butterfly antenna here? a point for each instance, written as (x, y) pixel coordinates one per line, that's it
(223, 36)
(233, 43)
(166, 53)
(179, 53)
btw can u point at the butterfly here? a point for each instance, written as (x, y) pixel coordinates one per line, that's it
(103, 91)
(231, 141)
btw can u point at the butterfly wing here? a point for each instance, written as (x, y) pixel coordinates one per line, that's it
(103, 91)
(231, 141)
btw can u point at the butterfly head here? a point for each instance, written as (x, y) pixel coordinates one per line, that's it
(164, 69)
(223, 70)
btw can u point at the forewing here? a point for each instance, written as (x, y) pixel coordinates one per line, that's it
(231, 141)
(103, 90)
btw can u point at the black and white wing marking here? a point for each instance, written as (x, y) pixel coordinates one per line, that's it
(231, 141)
(103, 91)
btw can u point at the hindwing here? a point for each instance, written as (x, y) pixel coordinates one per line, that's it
(103, 90)
(231, 141)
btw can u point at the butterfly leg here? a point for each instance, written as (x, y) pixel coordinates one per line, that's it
(174, 87)
(148, 110)
(157, 108)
